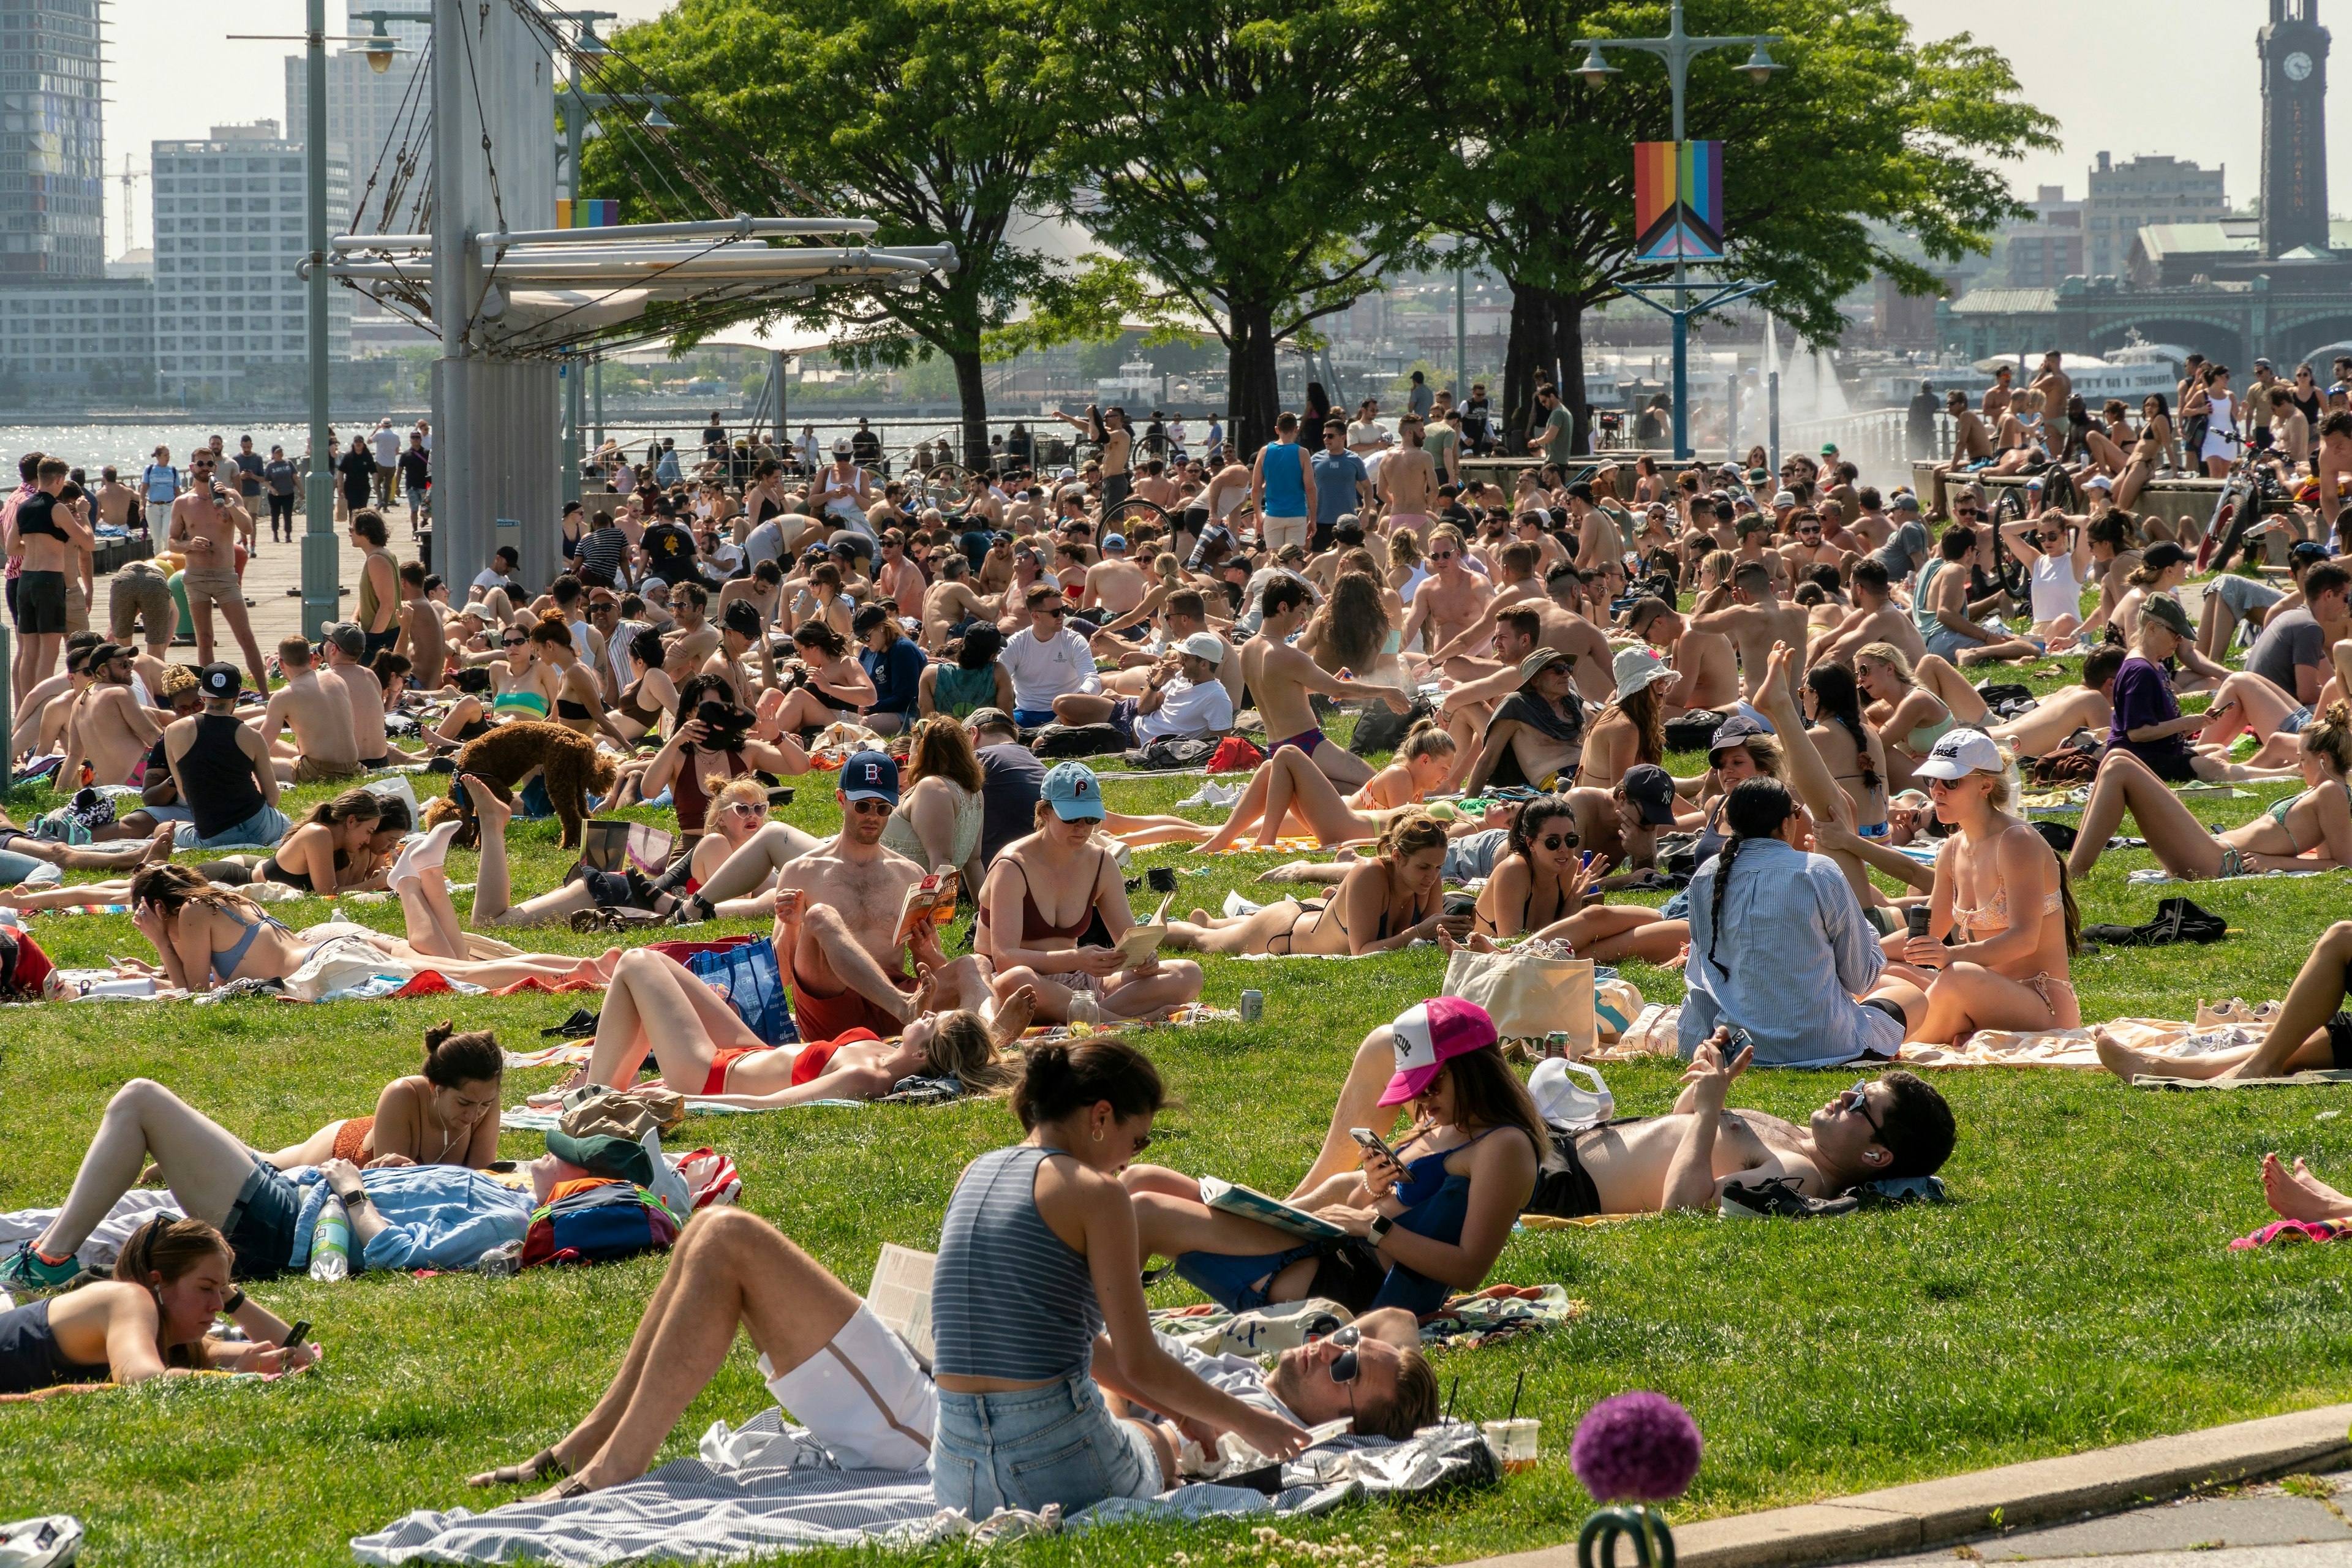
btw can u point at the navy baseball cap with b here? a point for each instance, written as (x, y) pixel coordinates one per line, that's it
(869, 775)
(1074, 792)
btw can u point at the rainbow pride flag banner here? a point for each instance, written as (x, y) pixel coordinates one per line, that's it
(602, 213)
(1678, 201)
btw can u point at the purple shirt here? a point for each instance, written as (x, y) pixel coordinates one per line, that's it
(2144, 697)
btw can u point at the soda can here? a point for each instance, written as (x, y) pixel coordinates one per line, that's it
(1556, 1044)
(1253, 1006)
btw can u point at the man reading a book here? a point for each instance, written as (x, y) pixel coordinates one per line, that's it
(837, 1369)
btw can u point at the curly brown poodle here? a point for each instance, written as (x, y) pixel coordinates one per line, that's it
(568, 762)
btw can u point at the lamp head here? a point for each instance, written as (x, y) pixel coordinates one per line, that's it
(1596, 70)
(656, 119)
(1762, 65)
(380, 48)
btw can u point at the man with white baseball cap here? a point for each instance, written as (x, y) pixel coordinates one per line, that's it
(1182, 698)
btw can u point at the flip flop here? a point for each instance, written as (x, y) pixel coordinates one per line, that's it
(541, 1466)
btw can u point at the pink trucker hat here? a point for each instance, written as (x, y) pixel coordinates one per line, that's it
(1426, 1034)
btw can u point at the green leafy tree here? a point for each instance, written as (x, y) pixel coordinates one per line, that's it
(926, 116)
(1866, 123)
(1250, 163)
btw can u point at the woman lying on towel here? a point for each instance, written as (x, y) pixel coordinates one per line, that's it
(1289, 788)
(2309, 1031)
(149, 1320)
(1420, 1226)
(656, 1006)
(1540, 885)
(446, 1115)
(2004, 898)
(208, 936)
(1390, 901)
(343, 845)
(2319, 818)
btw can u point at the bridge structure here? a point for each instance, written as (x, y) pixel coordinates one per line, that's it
(2287, 316)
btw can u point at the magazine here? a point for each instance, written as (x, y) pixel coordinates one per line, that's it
(1232, 1198)
(900, 1296)
(933, 899)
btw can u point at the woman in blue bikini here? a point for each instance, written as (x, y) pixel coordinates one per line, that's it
(1419, 1228)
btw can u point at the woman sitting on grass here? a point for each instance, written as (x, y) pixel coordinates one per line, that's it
(2319, 818)
(447, 1115)
(1632, 729)
(149, 1318)
(937, 820)
(207, 936)
(1420, 1228)
(700, 1048)
(2002, 894)
(345, 845)
(2309, 1032)
(1384, 903)
(1909, 717)
(1045, 891)
(1539, 887)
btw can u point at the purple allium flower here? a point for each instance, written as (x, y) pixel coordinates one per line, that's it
(1636, 1448)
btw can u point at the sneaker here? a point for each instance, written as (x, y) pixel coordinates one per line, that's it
(1778, 1195)
(25, 1270)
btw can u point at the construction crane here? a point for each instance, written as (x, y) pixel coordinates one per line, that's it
(129, 181)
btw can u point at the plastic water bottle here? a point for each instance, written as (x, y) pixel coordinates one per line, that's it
(330, 1243)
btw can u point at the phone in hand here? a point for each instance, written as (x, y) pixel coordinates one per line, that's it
(294, 1335)
(1372, 1143)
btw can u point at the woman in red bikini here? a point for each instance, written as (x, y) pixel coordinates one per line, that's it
(446, 1115)
(656, 1006)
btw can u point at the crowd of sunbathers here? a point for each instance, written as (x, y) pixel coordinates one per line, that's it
(667, 667)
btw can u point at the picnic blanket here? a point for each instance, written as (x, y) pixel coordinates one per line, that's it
(768, 1487)
(2147, 876)
(2229, 1026)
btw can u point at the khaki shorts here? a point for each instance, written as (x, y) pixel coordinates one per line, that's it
(208, 586)
(310, 770)
(76, 606)
(141, 597)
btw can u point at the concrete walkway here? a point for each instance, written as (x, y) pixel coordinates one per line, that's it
(273, 582)
(2261, 1526)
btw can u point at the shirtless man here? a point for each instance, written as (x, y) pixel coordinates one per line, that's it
(362, 695)
(1114, 585)
(1407, 479)
(205, 525)
(1152, 484)
(1706, 670)
(108, 728)
(1876, 618)
(49, 531)
(1751, 614)
(1971, 446)
(2088, 706)
(897, 579)
(1521, 630)
(321, 717)
(693, 639)
(950, 602)
(2055, 386)
(2334, 464)
(1451, 598)
(421, 640)
(114, 499)
(1753, 530)
(1280, 676)
(837, 918)
(1808, 548)
(1227, 489)
(1701, 1154)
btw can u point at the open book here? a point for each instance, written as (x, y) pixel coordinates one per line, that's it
(901, 1296)
(1232, 1198)
(1142, 943)
(933, 899)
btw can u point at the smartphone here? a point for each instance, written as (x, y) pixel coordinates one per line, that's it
(1371, 1142)
(294, 1335)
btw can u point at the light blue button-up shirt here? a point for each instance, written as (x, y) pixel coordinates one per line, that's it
(436, 1216)
(1794, 953)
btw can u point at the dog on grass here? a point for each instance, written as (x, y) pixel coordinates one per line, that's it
(567, 763)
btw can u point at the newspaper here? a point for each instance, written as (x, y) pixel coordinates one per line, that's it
(900, 1296)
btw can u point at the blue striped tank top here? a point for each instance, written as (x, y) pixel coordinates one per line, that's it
(1009, 1298)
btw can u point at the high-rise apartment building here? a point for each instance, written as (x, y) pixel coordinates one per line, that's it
(230, 225)
(2127, 197)
(2047, 251)
(52, 164)
(369, 116)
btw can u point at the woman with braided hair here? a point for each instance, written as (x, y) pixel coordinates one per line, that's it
(1779, 949)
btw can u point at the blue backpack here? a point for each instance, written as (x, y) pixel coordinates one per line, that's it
(610, 1220)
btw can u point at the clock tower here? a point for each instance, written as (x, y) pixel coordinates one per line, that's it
(2293, 50)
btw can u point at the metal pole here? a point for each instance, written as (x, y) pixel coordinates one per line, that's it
(575, 134)
(456, 525)
(598, 371)
(1772, 416)
(321, 552)
(1461, 333)
(1677, 65)
(777, 368)
(1731, 419)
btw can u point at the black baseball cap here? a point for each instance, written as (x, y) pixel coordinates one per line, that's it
(1731, 732)
(220, 680)
(1652, 790)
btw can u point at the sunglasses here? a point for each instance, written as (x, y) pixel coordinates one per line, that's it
(1440, 555)
(1560, 841)
(1057, 610)
(1963, 512)
(203, 468)
(751, 807)
(513, 642)
(870, 807)
(1347, 1364)
(1856, 1101)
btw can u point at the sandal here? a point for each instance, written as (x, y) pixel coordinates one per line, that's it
(541, 1466)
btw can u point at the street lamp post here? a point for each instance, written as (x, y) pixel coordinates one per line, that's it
(1678, 49)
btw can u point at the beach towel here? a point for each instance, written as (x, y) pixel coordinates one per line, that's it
(2294, 1230)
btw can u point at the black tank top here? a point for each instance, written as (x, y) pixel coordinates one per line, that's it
(216, 777)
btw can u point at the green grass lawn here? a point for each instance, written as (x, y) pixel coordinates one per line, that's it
(2078, 1294)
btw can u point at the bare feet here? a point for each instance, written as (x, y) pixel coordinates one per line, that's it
(1012, 1014)
(159, 848)
(2121, 1060)
(2299, 1195)
(486, 804)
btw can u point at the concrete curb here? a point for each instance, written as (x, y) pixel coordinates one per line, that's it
(1934, 1513)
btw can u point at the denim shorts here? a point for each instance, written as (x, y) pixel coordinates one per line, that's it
(266, 825)
(1947, 644)
(1057, 1444)
(2296, 723)
(262, 1225)
(15, 867)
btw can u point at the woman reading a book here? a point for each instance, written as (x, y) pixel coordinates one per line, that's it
(1388, 901)
(1046, 891)
(1414, 1225)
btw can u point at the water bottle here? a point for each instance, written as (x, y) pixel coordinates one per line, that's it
(330, 1243)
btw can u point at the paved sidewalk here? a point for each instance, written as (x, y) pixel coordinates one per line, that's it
(2264, 1526)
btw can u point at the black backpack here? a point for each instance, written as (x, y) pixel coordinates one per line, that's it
(1169, 751)
(1057, 741)
(1692, 732)
(2177, 920)
(1382, 729)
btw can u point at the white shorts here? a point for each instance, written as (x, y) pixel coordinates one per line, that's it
(864, 1396)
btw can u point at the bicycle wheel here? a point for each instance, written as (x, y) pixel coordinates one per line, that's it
(1134, 509)
(945, 485)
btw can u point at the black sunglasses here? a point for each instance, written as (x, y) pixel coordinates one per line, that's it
(513, 642)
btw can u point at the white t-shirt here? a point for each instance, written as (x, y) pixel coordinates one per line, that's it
(1189, 710)
(487, 579)
(2056, 589)
(387, 447)
(1042, 671)
(1366, 432)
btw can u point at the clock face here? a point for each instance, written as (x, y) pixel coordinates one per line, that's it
(2297, 66)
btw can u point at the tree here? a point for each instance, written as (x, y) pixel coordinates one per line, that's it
(926, 116)
(1865, 124)
(1250, 161)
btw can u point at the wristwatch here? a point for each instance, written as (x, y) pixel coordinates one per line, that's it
(356, 1198)
(1380, 1226)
